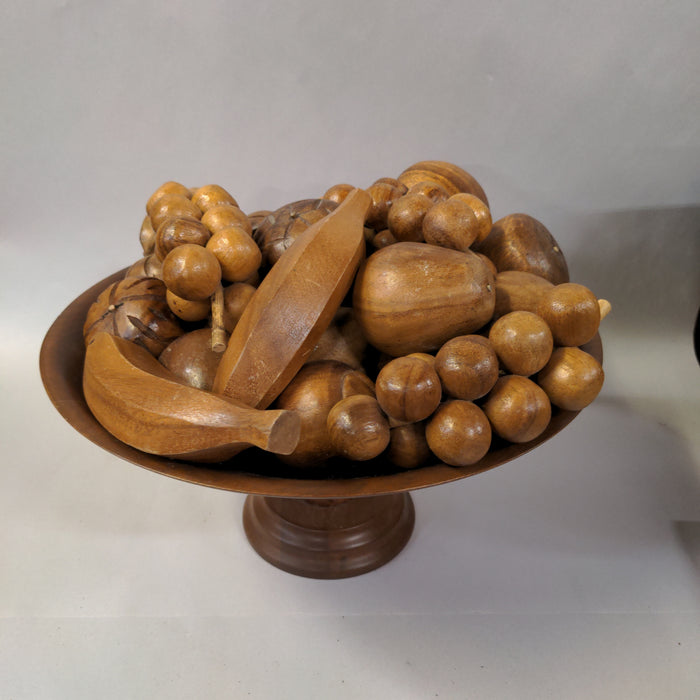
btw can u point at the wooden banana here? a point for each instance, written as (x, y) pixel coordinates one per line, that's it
(143, 404)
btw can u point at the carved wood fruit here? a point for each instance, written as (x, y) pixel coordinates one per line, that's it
(467, 366)
(519, 291)
(523, 342)
(572, 312)
(279, 230)
(224, 215)
(481, 211)
(187, 310)
(408, 389)
(572, 378)
(408, 447)
(236, 298)
(147, 236)
(294, 304)
(146, 406)
(173, 206)
(174, 232)
(458, 433)
(405, 219)
(191, 358)
(342, 341)
(338, 193)
(520, 242)
(357, 428)
(237, 253)
(311, 394)
(210, 196)
(431, 189)
(518, 409)
(170, 187)
(383, 195)
(412, 297)
(135, 309)
(451, 224)
(453, 178)
(191, 272)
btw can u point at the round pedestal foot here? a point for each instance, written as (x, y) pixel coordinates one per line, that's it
(333, 538)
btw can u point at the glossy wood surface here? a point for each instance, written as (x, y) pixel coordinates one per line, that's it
(145, 405)
(253, 471)
(329, 538)
(293, 306)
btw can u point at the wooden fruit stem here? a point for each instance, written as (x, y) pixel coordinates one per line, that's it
(218, 333)
(329, 538)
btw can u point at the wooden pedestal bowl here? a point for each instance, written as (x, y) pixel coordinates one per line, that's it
(349, 520)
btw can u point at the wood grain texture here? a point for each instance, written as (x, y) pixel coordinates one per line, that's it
(519, 291)
(572, 313)
(521, 242)
(311, 394)
(136, 309)
(61, 363)
(146, 406)
(453, 178)
(277, 231)
(408, 389)
(518, 409)
(467, 366)
(293, 305)
(412, 297)
(329, 539)
(572, 378)
(523, 342)
(458, 433)
(357, 428)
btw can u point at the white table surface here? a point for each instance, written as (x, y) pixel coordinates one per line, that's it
(573, 572)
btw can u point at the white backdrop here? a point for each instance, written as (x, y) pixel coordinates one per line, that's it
(574, 574)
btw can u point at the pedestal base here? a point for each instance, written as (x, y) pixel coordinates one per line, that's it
(333, 538)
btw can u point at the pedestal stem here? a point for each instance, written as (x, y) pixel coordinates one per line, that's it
(332, 538)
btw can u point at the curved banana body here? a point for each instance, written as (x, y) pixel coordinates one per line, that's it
(143, 404)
